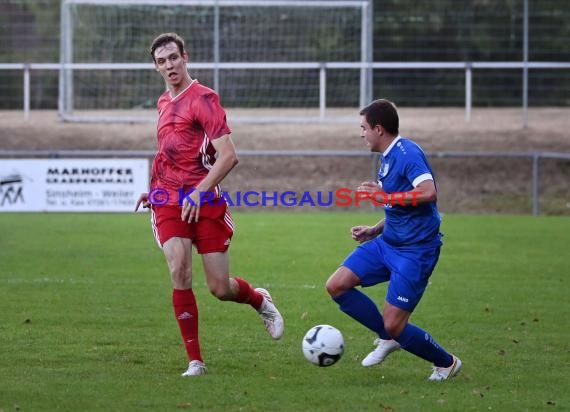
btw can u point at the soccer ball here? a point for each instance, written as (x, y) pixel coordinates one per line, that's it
(323, 345)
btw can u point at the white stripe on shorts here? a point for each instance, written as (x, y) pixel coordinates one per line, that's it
(154, 228)
(229, 221)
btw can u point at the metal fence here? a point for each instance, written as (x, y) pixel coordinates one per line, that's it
(466, 68)
(502, 53)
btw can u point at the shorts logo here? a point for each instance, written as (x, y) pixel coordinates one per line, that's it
(402, 299)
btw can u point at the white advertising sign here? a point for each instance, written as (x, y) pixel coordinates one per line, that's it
(71, 185)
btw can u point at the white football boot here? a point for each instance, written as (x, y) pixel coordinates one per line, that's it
(383, 349)
(271, 317)
(441, 374)
(195, 368)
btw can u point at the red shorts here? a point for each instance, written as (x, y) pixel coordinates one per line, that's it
(212, 233)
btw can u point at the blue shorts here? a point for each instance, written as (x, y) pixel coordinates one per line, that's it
(408, 269)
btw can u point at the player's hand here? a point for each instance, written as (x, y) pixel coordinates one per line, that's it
(372, 188)
(143, 199)
(363, 233)
(191, 208)
(369, 187)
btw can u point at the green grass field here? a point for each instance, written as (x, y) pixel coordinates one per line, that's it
(86, 320)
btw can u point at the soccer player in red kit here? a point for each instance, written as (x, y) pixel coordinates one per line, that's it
(195, 152)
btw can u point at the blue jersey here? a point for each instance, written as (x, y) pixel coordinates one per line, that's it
(404, 166)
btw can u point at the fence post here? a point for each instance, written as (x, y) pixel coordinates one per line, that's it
(525, 65)
(27, 91)
(468, 85)
(322, 92)
(366, 54)
(217, 46)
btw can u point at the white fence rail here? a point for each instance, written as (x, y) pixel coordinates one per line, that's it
(323, 68)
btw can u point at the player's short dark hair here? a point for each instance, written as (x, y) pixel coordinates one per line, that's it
(164, 39)
(384, 113)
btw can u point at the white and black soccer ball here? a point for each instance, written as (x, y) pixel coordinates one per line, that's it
(323, 345)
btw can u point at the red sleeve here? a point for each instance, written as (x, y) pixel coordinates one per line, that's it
(212, 116)
(162, 101)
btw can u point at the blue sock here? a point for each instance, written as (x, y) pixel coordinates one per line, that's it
(420, 343)
(362, 309)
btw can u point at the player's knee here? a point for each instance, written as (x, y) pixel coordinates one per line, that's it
(341, 281)
(181, 279)
(178, 267)
(330, 288)
(334, 286)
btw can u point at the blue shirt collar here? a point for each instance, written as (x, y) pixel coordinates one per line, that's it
(391, 146)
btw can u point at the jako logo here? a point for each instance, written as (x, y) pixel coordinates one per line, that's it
(402, 299)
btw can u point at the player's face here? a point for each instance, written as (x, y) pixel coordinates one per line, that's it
(171, 65)
(371, 135)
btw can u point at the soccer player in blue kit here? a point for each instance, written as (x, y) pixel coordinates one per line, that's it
(403, 248)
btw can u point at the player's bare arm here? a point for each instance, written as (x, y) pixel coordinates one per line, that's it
(225, 162)
(427, 192)
(364, 233)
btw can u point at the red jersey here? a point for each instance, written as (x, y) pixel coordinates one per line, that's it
(186, 126)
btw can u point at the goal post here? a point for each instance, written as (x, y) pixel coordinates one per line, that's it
(270, 60)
